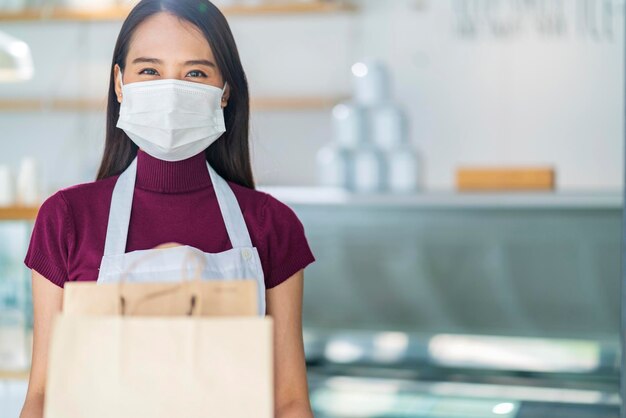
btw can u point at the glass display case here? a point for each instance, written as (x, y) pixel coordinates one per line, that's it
(458, 305)
(15, 295)
(16, 313)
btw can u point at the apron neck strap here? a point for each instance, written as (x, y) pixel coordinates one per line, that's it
(231, 211)
(122, 203)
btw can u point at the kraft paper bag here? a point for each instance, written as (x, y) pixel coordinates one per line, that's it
(192, 297)
(166, 367)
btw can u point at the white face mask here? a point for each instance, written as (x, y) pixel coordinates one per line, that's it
(171, 119)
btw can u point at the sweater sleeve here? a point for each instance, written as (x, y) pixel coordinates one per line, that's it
(48, 251)
(287, 245)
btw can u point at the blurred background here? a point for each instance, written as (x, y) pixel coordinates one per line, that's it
(457, 165)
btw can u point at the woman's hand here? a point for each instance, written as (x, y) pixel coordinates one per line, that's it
(47, 302)
(284, 305)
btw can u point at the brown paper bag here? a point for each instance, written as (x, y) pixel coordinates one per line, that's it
(131, 350)
(195, 297)
(166, 367)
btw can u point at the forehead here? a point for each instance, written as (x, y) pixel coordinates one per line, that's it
(169, 38)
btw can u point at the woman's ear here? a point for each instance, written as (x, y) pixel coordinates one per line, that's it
(118, 84)
(226, 96)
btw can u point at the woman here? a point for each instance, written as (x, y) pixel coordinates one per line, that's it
(176, 156)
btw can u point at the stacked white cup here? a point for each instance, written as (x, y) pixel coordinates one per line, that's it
(25, 191)
(371, 151)
(7, 190)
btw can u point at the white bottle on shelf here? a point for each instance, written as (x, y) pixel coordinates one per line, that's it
(7, 190)
(28, 190)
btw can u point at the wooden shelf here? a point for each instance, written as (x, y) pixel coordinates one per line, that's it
(311, 7)
(18, 213)
(14, 375)
(120, 13)
(28, 105)
(79, 105)
(294, 103)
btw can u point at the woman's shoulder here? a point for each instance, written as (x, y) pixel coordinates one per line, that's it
(280, 235)
(96, 188)
(262, 204)
(82, 195)
(61, 217)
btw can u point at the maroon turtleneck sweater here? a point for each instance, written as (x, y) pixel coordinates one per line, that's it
(173, 202)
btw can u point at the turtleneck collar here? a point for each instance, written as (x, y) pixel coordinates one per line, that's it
(172, 177)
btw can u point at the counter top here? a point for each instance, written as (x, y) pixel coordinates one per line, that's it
(324, 196)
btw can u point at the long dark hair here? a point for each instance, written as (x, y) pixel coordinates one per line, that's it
(229, 155)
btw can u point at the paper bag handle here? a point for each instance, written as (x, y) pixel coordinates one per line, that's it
(200, 263)
(194, 305)
(195, 300)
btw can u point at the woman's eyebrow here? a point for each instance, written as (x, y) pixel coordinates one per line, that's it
(150, 60)
(200, 62)
(158, 61)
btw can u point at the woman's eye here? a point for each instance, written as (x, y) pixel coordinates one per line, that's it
(151, 71)
(197, 73)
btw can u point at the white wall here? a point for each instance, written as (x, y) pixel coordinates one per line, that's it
(524, 99)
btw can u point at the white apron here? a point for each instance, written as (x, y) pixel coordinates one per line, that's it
(165, 264)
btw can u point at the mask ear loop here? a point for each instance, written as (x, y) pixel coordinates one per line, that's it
(121, 82)
(224, 91)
